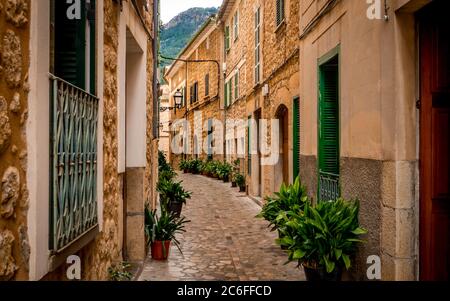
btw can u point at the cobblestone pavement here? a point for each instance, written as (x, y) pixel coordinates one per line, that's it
(224, 240)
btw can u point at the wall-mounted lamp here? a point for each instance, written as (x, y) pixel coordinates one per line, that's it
(178, 97)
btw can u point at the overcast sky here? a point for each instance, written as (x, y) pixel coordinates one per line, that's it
(171, 8)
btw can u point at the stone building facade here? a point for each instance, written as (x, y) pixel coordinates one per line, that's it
(197, 74)
(263, 54)
(35, 244)
(375, 61)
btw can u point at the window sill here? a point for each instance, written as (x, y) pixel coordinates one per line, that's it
(59, 258)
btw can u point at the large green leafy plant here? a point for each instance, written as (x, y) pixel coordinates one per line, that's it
(224, 170)
(163, 227)
(162, 162)
(322, 236)
(172, 192)
(290, 198)
(239, 179)
(183, 165)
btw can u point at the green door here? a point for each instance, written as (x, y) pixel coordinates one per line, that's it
(329, 130)
(296, 137)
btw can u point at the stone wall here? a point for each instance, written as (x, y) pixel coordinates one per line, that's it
(151, 170)
(206, 47)
(14, 87)
(280, 59)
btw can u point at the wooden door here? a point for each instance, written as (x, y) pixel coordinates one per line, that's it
(434, 35)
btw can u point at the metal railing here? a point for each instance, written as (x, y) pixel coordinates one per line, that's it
(329, 189)
(74, 124)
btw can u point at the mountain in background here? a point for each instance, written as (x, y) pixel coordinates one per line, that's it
(176, 34)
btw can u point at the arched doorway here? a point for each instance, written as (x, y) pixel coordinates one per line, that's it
(282, 167)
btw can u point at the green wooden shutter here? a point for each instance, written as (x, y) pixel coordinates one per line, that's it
(93, 47)
(227, 38)
(249, 155)
(70, 44)
(296, 135)
(329, 188)
(329, 119)
(195, 91)
(207, 84)
(230, 91)
(280, 11)
(226, 95)
(236, 86)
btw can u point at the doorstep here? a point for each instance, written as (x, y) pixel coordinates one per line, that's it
(257, 200)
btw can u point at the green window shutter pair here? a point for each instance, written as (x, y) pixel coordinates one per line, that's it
(296, 136)
(70, 42)
(70, 53)
(236, 85)
(227, 38)
(329, 184)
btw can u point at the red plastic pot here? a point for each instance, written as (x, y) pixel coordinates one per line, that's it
(158, 252)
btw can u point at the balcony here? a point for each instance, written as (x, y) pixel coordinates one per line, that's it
(74, 123)
(329, 189)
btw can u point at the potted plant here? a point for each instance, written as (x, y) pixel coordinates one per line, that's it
(162, 162)
(233, 180)
(236, 168)
(183, 166)
(172, 196)
(167, 175)
(224, 172)
(196, 166)
(161, 231)
(290, 198)
(323, 238)
(240, 181)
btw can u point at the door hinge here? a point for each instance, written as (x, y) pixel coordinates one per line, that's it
(418, 104)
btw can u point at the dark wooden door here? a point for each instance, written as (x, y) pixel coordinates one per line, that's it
(434, 25)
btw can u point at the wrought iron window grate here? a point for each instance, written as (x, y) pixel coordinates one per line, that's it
(329, 187)
(74, 163)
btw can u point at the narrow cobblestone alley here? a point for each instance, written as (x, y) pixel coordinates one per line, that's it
(223, 241)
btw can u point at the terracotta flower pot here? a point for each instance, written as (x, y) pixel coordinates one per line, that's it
(242, 189)
(158, 251)
(233, 184)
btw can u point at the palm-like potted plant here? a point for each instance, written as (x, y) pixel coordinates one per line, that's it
(161, 231)
(236, 164)
(196, 166)
(172, 195)
(322, 238)
(240, 181)
(290, 198)
(184, 166)
(224, 172)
